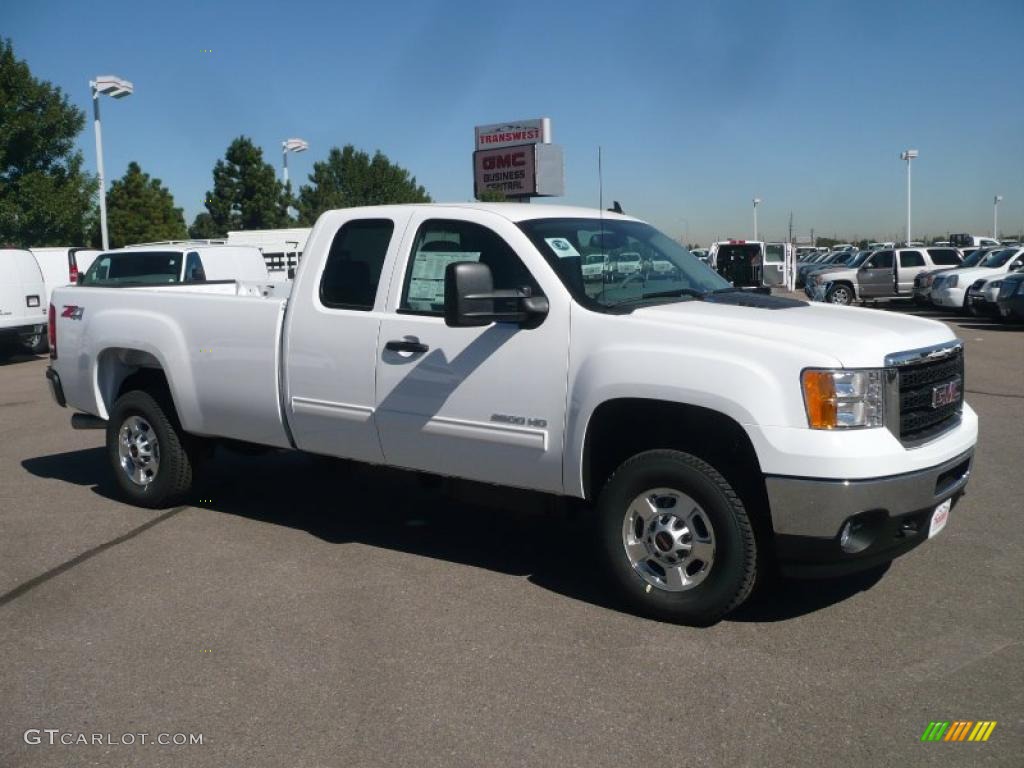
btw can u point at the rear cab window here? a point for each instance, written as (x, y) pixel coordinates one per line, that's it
(135, 268)
(911, 259)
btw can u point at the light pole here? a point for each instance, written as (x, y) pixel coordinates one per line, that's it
(908, 155)
(116, 88)
(757, 200)
(291, 145)
(995, 216)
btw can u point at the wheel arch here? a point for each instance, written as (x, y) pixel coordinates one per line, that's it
(121, 369)
(612, 437)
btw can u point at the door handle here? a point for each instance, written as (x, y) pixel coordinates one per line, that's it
(404, 345)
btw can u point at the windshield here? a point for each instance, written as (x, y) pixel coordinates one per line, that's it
(973, 259)
(566, 243)
(860, 258)
(998, 258)
(134, 268)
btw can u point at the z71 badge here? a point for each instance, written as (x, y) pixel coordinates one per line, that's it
(75, 313)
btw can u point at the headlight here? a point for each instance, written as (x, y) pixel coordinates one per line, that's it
(841, 399)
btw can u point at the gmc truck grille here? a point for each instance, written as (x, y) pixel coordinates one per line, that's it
(924, 407)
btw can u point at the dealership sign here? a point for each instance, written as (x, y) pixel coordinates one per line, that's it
(526, 170)
(513, 133)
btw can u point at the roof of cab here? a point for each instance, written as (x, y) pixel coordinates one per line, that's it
(512, 211)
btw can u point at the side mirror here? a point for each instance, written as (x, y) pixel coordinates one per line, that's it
(471, 301)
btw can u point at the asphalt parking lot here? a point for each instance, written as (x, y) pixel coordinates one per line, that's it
(299, 614)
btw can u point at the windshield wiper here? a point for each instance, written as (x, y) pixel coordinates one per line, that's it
(662, 295)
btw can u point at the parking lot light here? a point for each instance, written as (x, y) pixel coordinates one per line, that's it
(116, 88)
(757, 200)
(908, 155)
(291, 145)
(995, 216)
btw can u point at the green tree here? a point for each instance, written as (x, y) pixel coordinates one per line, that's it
(350, 177)
(203, 228)
(45, 196)
(246, 193)
(140, 210)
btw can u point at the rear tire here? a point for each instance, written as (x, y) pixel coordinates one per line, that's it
(37, 344)
(675, 539)
(151, 457)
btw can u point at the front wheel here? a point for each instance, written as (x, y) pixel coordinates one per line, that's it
(675, 538)
(148, 451)
(839, 294)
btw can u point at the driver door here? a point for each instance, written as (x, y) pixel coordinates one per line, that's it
(876, 277)
(485, 403)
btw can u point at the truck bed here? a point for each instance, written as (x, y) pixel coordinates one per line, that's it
(219, 351)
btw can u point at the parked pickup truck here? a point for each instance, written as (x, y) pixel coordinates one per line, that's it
(886, 274)
(706, 431)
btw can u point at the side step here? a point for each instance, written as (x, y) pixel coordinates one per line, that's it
(85, 421)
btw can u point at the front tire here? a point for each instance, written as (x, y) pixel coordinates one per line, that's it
(152, 458)
(675, 538)
(839, 294)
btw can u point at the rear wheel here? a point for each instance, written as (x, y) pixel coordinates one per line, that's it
(675, 538)
(37, 343)
(152, 459)
(839, 294)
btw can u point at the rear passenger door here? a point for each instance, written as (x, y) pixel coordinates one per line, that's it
(911, 261)
(875, 277)
(331, 335)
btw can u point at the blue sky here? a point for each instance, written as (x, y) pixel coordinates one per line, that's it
(699, 106)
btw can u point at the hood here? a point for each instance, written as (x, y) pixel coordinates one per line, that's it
(854, 336)
(968, 276)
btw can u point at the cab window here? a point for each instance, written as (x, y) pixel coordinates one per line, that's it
(442, 242)
(911, 259)
(194, 272)
(881, 260)
(354, 264)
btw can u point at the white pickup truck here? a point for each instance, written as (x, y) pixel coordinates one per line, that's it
(709, 431)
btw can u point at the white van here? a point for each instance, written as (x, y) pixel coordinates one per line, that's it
(62, 265)
(23, 302)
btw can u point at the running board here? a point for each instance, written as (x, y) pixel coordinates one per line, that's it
(85, 421)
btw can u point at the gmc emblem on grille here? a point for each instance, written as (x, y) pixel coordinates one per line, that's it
(946, 394)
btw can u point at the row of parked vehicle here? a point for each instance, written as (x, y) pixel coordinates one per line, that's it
(29, 276)
(975, 280)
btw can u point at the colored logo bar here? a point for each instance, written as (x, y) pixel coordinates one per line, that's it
(958, 730)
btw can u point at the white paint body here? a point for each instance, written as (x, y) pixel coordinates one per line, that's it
(261, 368)
(20, 279)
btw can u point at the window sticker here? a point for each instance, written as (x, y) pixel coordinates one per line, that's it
(427, 282)
(562, 247)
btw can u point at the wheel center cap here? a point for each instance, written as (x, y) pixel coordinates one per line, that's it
(663, 541)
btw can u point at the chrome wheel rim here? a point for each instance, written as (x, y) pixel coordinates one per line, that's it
(840, 296)
(668, 539)
(138, 451)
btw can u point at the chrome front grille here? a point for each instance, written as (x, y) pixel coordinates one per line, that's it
(920, 414)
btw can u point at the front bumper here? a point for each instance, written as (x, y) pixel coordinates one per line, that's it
(891, 515)
(1012, 307)
(981, 304)
(949, 297)
(21, 332)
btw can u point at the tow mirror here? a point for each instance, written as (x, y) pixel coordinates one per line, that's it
(471, 301)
